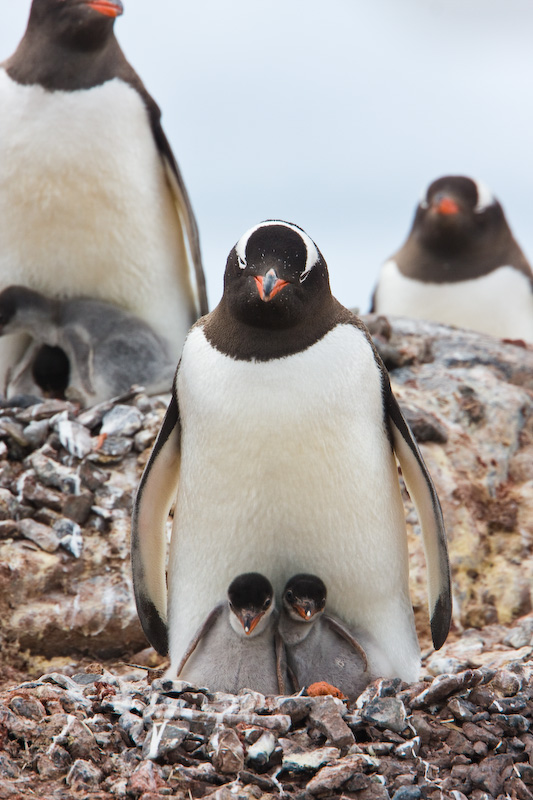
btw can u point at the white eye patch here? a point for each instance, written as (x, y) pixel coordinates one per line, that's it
(485, 198)
(310, 246)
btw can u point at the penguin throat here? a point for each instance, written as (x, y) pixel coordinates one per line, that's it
(246, 342)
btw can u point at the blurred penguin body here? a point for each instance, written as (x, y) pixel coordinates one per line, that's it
(91, 200)
(460, 265)
(86, 349)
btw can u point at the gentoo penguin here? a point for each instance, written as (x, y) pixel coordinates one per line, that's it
(318, 646)
(92, 203)
(278, 447)
(460, 265)
(105, 350)
(234, 648)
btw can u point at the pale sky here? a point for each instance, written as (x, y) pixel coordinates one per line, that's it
(333, 115)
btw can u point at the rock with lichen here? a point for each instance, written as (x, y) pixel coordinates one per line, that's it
(67, 480)
(66, 485)
(469, 400)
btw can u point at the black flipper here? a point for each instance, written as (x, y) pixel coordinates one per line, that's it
(422, 492)
(155, 495)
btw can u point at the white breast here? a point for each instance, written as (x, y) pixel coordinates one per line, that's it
(286, 467)
(500, 303)
(84, 204)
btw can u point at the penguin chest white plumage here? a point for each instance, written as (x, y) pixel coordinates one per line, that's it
(499, 303)
(85, 208)
(286, 466)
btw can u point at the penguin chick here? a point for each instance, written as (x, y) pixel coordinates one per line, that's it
(83, 348)
(235, 647)
(92, 201)
(460, 265)
(319, 647)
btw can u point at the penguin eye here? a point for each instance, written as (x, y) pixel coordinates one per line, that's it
(289, 595)
(242, 262)
(267, 603)
(305, 274)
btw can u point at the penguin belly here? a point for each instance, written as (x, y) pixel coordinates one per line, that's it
(286, 467)
(499, 304)
(85, 208)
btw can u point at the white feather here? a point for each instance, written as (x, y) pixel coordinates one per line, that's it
(499, 304)
(485, 198)
(286, 467)
(312, 251)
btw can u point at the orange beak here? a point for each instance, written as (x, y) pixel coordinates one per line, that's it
(447, 206)
(269, 285)
(249, 620)
(305, 610)
(109, 8)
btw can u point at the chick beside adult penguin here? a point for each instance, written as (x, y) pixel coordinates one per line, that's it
(460, 265)
(278, 448)
(318, 646)
(92, 202)
(83, 349)
(235, 646)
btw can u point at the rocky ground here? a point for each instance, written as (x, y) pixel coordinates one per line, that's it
(83, 711)
(121, 733)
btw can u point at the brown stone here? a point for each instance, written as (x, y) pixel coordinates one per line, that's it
(228, 756)
(490, 775)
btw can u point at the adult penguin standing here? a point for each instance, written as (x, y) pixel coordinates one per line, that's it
(278, 446)
(92, 202)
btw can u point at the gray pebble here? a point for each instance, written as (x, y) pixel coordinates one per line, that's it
(84, 775)
(386, 712)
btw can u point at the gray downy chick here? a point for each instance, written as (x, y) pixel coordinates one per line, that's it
(235, 647)
(85, 349)
(319, 647)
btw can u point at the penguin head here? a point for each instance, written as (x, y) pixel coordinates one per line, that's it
(275, 276)
(251, 602)
(456, 212)
(21, 309)
(84, 24)
(304, 597)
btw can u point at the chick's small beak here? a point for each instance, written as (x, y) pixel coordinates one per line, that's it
(269, 285)
(306, 610)
(249, 620)
(109, 8)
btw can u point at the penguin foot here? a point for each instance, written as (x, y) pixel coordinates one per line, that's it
(322, 688)
(100, 441)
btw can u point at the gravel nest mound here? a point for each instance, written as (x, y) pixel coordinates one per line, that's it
(131, 733)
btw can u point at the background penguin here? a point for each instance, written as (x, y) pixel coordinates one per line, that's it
(460, 265)
(318, 646)
(92, 202)
(235, 648)
(278, 447)
(105, 349)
